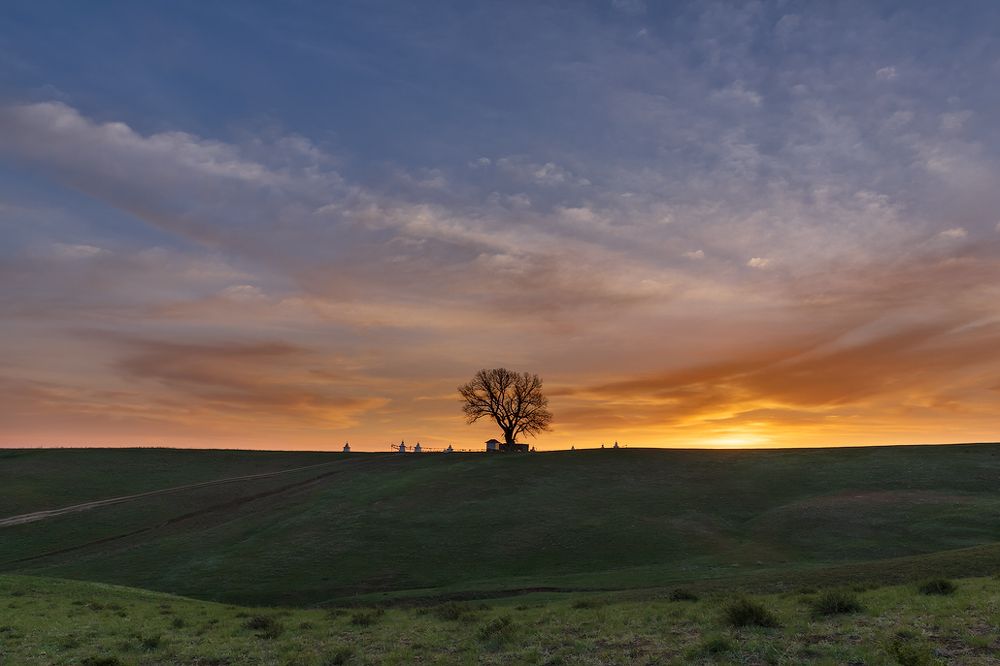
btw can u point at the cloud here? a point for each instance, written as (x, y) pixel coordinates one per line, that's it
(615, 193)
(811, 384)
(885, 73)
(899, 120)
(954, 120)
(629, 6)
(235, 377)
(243, 292)
(954, 233)
(548, 174)
(78, 251)
(739, 93)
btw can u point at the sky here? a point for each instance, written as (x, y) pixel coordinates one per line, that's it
(703, 224)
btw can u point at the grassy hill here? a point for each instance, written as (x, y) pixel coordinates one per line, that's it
(44, 621)
(370, 526)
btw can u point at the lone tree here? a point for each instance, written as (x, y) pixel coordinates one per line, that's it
(514, 400)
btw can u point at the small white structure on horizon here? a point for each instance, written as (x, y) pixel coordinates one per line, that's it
(402, 447)
(416, 448)
(347, 447)
(492, 445)
(450, 449)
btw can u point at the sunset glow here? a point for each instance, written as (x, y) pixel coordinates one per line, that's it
(703, 224)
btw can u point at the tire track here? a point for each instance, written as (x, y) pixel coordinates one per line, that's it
(212, 508)
(36, 516)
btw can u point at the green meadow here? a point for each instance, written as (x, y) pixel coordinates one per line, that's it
(46, 621)
(564, 557)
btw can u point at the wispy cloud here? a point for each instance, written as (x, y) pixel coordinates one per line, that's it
(808, 196)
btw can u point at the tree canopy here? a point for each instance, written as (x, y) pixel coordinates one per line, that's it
(514, 400)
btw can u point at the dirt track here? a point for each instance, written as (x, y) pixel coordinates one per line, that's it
(86, 506)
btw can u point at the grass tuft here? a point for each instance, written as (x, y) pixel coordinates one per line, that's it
(266, 627)
(908, 649)
(749, 613)
(836, 602)
(341, 655)
(941, 586)
(681, 594)
(711, 646)
(581, 604)
(101, 661)
(452, 611)
(497, 631)
(367, 618)
(150, 643)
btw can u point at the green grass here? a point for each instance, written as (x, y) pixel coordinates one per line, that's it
(374, 527)
(836, 602)
(36, 479)
(47, 621)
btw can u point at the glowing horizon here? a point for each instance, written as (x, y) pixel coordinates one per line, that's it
(719, 225)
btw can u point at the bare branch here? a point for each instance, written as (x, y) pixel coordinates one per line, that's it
(514, 400)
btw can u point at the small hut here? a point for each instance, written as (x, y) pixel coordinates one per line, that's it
(416, 448)
(495, 445)
(450, 449)
(402, 447)
(347, 447)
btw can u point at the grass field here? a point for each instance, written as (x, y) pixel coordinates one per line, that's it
(46, 621)
(372, 527)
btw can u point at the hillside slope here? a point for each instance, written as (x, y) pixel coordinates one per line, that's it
(65, 622)
(586, 519)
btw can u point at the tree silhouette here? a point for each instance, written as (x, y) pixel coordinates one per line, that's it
(514, 400)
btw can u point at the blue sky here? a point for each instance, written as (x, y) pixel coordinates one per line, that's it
(323, 216)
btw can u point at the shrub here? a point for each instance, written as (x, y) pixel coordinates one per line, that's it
(749, 613)
(680, 594)
(266, 627)
(497, 630)
(941, 586)
(177, 623)
(367, 618)
(835, 602)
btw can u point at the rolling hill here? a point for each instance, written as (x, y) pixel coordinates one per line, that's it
(335, 527)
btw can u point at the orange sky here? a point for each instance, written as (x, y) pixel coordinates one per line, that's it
(702, 224)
